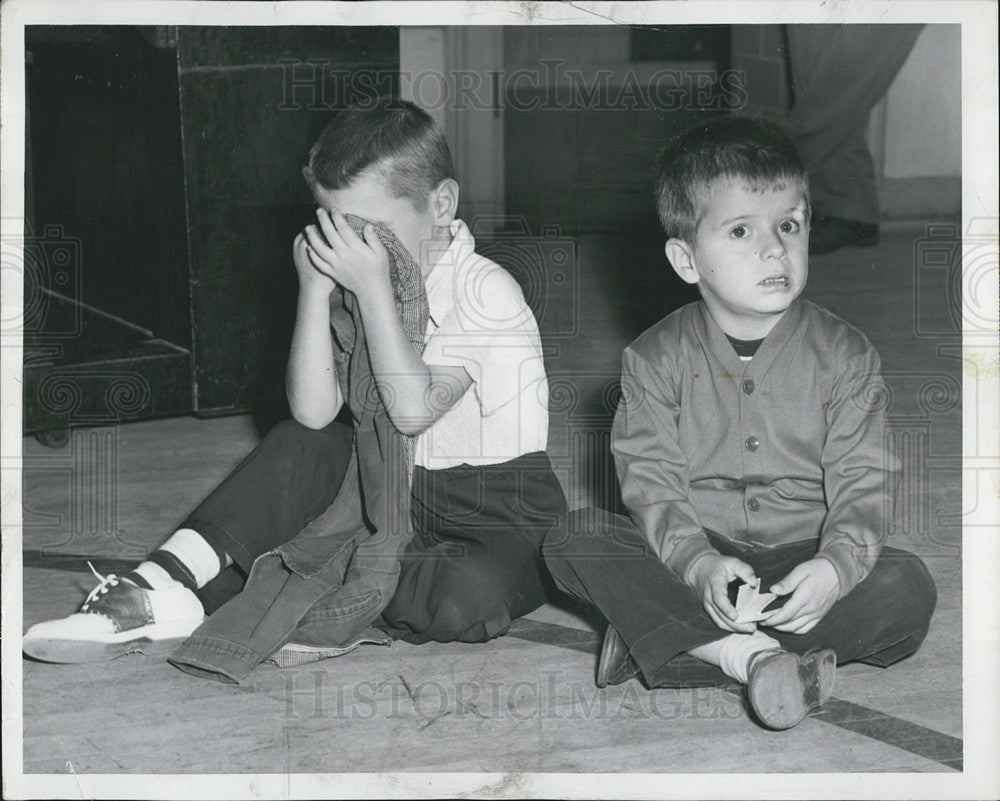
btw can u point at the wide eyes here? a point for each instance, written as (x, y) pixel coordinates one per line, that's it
(789, 226)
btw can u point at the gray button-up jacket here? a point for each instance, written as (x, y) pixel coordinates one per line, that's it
(784, 448)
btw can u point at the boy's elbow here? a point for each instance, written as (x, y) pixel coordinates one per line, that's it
(417, 407)
(412, 420)
(314, 421)
(314, 418)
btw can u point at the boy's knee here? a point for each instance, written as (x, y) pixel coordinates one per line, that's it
(291, 436)
(904, 575)
(446, 601)
(472, 609)
(289, 432)
(922, 592)
(453, 622)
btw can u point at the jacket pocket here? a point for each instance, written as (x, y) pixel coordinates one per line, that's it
(336, 620)
(336, 606)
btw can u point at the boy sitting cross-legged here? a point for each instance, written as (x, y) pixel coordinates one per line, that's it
(749, 447)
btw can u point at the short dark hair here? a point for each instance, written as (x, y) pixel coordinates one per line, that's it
(392, 135)
(736, 147)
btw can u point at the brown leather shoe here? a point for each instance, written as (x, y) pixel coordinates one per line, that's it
(784, 687)
(616, 665)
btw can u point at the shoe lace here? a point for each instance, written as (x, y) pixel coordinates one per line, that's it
(107, 582)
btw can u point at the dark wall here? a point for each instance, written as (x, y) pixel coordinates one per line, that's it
(252, 102)
(105, 135)
(589, 110)
(173, 156)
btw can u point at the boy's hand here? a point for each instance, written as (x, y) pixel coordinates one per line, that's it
(309, 277)
(814, 587)
(710, 575)
(359, 265)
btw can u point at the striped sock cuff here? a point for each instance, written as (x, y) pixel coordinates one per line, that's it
(198, 555)
(138, 579)
(174, 567)
(150, 576)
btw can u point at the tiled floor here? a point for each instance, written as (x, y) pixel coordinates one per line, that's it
(525, 702)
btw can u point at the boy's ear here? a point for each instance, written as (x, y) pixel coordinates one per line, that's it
(681, 258)
(444, 201)
(307, 173)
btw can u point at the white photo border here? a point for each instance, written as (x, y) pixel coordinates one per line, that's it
(981, 554)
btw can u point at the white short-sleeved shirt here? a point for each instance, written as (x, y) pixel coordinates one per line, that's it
(479, 320)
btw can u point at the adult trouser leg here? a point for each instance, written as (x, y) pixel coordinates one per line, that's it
(839, 72)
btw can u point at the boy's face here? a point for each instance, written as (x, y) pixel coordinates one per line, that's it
(750, 256)
(369, 196)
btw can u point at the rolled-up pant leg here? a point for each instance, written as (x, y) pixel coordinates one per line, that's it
(291, 477)
(603, 559)
(474, 563)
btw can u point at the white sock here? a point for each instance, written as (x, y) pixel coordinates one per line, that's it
(195, 553)
(733, 653)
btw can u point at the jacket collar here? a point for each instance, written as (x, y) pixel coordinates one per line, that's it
(710, 334)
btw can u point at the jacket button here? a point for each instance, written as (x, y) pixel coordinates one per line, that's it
(748, 386)
(753, 504)
(752, 443)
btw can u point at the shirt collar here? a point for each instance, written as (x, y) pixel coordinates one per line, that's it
(441, 280)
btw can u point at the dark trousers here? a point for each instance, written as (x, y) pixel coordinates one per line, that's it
(473, 565)
(604, 560)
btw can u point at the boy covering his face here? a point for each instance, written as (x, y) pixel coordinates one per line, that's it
(467, 391)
